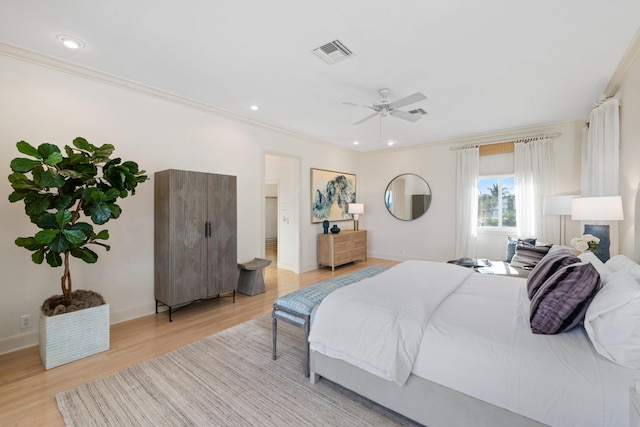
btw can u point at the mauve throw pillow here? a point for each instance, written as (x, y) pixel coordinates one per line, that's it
(547, 266)
(511, 247)
(562, 300)
(528, 255)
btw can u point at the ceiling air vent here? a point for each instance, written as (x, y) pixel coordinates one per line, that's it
(333, 52)
(418, 111)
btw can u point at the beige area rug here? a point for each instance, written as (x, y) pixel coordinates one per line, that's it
(227, 379)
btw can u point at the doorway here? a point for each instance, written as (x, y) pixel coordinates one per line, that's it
(282, 172)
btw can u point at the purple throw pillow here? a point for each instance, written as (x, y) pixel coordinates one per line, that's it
(562, 300)
(528, 255)
(547, 267)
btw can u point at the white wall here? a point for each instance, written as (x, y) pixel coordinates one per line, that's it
(42, 104)
(629, 95)
(432, 235)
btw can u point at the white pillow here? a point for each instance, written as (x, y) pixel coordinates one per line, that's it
(603, 270)
(622, 263)
(612, 320)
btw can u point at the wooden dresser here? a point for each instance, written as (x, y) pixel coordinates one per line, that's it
(337, 249)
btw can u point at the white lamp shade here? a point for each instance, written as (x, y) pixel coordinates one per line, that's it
(597, 209)
(356, 208)
(557, 205)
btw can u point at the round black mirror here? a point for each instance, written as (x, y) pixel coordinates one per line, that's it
(407, 197)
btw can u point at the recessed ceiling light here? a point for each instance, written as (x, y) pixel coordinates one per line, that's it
(390, 143)
(70, 42)
(254, 108)
(356, 142)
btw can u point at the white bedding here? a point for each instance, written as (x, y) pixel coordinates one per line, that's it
(470, 332)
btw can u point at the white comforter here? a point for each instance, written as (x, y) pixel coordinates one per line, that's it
(471, 332)
(377, 324)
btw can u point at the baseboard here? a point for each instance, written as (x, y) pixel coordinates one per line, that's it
(18, 342)
(32, 338)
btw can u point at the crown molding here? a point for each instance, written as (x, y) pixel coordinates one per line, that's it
(19, 53)
(628, 59)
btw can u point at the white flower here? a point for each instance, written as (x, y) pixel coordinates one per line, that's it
(581, 246)
(590, 238)
(585, 242)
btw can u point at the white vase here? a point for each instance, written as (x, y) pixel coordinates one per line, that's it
(71, 336)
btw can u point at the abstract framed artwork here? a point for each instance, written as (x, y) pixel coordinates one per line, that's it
(331, 193)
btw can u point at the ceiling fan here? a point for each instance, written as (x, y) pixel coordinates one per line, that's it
(384, 107)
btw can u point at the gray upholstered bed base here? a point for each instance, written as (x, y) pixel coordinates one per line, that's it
(423, 401)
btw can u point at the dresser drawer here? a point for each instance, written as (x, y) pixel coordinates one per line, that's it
(342, 248)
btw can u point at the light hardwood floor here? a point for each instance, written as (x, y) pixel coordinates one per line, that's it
(27, 391)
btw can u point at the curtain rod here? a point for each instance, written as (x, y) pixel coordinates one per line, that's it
(514, 140)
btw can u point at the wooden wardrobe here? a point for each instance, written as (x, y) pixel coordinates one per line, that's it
(195, 233)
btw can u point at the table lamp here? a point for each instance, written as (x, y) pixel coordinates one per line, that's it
(596, 209)
(559, 205)
(356, 209)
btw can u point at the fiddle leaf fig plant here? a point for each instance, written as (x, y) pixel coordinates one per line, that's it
(64, 194)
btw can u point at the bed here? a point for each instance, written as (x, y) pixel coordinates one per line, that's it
(447, 346)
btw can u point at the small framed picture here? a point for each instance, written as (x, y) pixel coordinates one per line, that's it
(331, 192)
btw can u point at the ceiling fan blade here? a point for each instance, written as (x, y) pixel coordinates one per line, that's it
(405, 115)
(353, 104)
(365, 119)
(416, 97)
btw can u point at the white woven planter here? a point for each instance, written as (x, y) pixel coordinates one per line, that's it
(72, 336)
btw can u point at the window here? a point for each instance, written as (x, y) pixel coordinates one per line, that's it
(496, 202)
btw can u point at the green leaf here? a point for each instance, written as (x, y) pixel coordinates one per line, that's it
(115, 210)
(93, 194)
(59, 244)
(28, 149)
(17, 196)
(69, 173)
(54, 259)
(54, 158)
(132, 167)
(100, 213)
(28, 243)
(45, 237)
(38, 256)
(19, 181)
(102, 235)
(74, 237)
(46, 150)
(51, 178)
(36, 204)
(87, 229)
(48, 221)
(112, 194)
(107, 247)
(62, 202)
(20, 164)
(86, 254)
(83, 144)
(63, 218)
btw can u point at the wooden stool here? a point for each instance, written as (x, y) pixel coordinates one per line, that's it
(251, 280)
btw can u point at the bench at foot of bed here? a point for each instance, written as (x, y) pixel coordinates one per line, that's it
(297, 307)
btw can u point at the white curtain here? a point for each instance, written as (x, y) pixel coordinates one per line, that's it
(601, 151)
(601, 159)
(467, 166)
(533, 180)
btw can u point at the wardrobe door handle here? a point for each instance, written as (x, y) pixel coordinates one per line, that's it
(209, 228)
(206, 224)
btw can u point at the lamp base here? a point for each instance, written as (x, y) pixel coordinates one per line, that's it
(601, 232)
(355, 225)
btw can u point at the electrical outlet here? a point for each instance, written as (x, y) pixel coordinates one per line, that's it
(25, 321)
